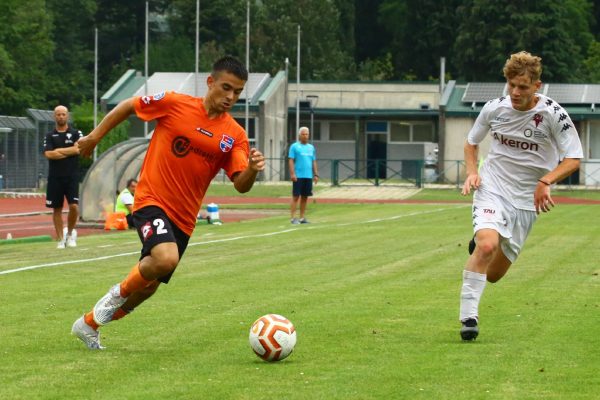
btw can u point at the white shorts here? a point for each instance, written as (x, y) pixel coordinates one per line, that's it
(491, 211)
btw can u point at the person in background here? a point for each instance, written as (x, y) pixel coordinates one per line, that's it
(124, 202)
(61, 150)
(303, 172)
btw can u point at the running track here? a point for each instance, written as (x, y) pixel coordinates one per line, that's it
(28, 216)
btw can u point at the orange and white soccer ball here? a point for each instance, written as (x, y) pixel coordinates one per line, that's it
(272, 337)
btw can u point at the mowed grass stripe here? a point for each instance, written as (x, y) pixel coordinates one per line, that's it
(375, 305)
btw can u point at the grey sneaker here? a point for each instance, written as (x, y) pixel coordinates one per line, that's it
(88, 335)
(295, 221)
(304, 221)
(106, 307)
(469, 330)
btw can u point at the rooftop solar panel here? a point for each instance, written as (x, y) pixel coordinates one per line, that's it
(566, 93)
(480, 92)
(592, 94)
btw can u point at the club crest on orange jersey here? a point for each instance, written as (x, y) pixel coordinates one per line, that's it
(226, 143)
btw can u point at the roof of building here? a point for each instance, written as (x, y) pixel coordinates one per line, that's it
(41, 115)
(467, 99)
(16, 122)
(133, 84)
(414, 99)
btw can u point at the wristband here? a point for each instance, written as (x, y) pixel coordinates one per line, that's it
(544, 182)
(316, 175)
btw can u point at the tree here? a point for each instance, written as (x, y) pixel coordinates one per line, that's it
(121, 35)
(592, 63)
(26, 49)
(420, 32)
(490, 31)
(72, 66)
(322, 54)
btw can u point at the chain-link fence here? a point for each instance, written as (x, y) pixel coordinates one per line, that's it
(19, 153)
(23, 166)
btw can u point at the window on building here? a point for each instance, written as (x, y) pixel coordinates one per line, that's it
(595, 141)
(423, 132)
(251, 129)
(412, 131)
(376, 127)
(399, 132)
(341, 130)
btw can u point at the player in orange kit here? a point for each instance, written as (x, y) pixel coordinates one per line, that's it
(194, 139)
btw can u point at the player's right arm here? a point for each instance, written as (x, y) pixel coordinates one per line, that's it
(291, 164)
(292, 170)
(473, 179)
(477, 133)
(117, 115)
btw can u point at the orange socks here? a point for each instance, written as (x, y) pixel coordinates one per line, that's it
(120, 313)
(134, 282)
(89, 318)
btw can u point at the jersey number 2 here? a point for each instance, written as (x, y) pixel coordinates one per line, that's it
(160, 226)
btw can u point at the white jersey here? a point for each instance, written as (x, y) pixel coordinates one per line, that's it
(525, 146)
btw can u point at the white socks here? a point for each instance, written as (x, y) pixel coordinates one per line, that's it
(470, 294)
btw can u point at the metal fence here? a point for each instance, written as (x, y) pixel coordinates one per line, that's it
(19, 154)
(340, 172)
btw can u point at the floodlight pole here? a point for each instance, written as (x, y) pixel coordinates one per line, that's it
(95, 86)
(247, 64)
(146, 67)
(197, 47)
(442, 74)
(298, 83)
(287, 124)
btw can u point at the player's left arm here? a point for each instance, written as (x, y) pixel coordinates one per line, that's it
(244, 180)
(315, 171)
(541, 197)
(570, 150)
(61, 153)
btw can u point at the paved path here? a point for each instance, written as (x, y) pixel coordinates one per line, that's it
(367, 192)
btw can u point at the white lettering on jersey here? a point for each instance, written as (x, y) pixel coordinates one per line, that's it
(526, 145)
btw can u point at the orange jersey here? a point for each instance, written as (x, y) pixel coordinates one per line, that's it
(185, 153)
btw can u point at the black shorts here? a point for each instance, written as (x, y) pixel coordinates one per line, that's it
(302, 187)
(130, 224)
(61, 187)
(154, 227)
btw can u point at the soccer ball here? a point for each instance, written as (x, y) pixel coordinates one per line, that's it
(272, 337)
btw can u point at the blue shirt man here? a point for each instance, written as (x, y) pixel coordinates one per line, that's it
(303, 172)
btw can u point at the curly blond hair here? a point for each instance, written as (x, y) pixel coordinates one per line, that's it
(523, 63)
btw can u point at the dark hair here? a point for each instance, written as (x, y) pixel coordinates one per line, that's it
(130, 181)
(232, 65)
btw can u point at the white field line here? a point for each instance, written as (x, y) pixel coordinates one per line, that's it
(84, 260)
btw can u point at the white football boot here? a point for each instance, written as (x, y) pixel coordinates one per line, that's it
(88, 335)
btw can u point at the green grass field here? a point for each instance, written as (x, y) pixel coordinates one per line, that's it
(372, 289)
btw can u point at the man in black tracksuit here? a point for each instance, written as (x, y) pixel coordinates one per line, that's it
(63, 176)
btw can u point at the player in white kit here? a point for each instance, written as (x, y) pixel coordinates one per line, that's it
(534, 144)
